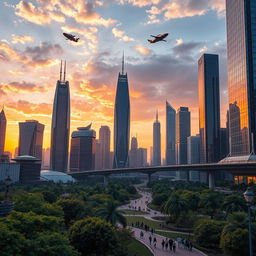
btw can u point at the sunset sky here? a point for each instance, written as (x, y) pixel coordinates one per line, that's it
(32, 45)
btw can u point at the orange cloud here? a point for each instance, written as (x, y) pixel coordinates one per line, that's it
(142, 50)
(121, 35)
(21, 39)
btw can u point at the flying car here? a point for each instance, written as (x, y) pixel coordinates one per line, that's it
(158, 38)
(71, 37)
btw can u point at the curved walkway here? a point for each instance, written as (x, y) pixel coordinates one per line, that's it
(141, 205)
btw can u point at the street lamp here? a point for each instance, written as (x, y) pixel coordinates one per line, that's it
(249, 195)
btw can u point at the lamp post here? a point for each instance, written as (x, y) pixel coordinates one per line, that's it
(249, 195)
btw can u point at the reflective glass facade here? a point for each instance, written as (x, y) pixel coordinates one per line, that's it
(122, 123)
(241, 44)
(3, 122)
(157, 142)
(209, 108)
(170, 134)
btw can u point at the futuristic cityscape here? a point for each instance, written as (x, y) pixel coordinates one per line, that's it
(147, 147)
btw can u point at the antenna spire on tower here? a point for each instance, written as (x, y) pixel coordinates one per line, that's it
(64, 71)
(60, 70)
(123, 64)
(157, 115)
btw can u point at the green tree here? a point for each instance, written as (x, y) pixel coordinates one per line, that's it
(192, 198)
(110, 213)
(93, 236)
(207, 233)
(234, 203)
(159, 199)
(73, 209)
(175, 205)
(236, 220)
(52, 244)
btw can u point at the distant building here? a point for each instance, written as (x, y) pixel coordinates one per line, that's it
(104, 140)
(133, 154)
(60, 125)
(31, 135)
(3, 122)
(209, 108)
(98, 161)
(224, 149)
(182, 133)
(46, 158)
(83, 147)
(170, 157)
(122, 122)
(156, 142)
(142, 157)
(194, 155)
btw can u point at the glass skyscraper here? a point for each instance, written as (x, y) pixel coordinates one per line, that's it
(122, 122)
(170, 157)
(3, 122)
(60, 125)
(241, 45)
(156, 142)
(209, 108)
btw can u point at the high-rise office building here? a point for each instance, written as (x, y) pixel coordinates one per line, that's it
(98, 161)
(46, 158)
(182, 133)
(104, 140)
(170, 134)
(122, 122)
(133, 155)
(83, 147)
(194, 155)
(156, 142)
(209, 108)
(142, 157)
(60, 124)
(31, 135)
(3, 122)
(241, 48)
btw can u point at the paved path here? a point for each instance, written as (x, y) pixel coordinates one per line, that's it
(158, 251)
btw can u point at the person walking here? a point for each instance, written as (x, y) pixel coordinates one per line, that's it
(155, 242)
(150, 239)
(163, 244)
(174, 246)
(170, 244)
(166, 245)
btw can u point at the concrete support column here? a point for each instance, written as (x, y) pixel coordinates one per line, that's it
(149, 177)
(106, 179)
(211, 180)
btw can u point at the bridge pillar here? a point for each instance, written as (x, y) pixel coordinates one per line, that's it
(106, 179)
(211, 180)
(149, 177)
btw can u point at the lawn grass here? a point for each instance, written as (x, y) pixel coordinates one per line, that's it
(138, 249)
(150, 223)
(132, 212)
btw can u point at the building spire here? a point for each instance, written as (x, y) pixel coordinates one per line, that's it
(64, 71)
(157, 115)
(60, 70)
(123, 64)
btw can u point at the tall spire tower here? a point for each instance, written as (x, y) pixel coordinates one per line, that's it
(3, 122)
(122, 121)
(156, 142)
(60, 124)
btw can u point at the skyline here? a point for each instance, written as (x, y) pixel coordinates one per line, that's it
(92, 75)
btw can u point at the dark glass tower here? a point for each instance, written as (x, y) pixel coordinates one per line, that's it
(3, 122)
(170, 134)
(209, 108)
(241, 45)
(60, 124)
(156, 142)
(122, 122)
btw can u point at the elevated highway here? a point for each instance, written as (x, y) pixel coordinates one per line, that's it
(235, 168)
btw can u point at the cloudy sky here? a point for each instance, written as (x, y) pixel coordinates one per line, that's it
(32, 45)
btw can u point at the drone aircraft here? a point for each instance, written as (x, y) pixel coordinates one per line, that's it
(158, 38)
(71, 37)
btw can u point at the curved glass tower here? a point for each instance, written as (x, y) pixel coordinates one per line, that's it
(122, 122)
(60, 125)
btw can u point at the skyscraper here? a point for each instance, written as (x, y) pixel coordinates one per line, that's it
(3, 122)
(142, 157)
(31, 138)
(104, 140)
(156, 142)
(241, 48)
(170, 134)
(60, 124)
(182, 133)
(83, 147)
(209, 108)
(122, 121)
(133, 156)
